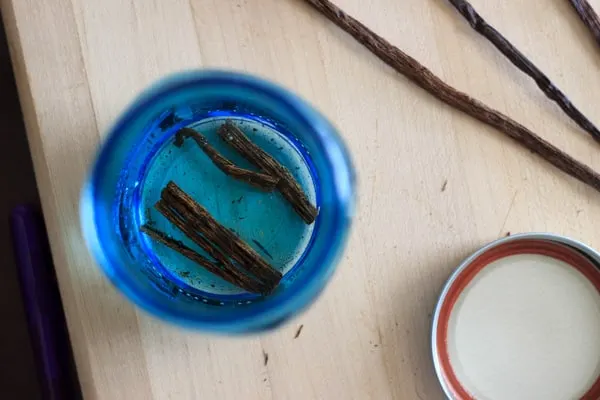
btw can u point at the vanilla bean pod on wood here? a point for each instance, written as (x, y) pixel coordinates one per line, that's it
(425, 79)
(524, 64)
(588, 16)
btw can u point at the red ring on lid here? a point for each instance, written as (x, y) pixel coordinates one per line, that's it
(527, 246)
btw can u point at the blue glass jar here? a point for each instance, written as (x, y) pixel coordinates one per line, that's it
(137, 154)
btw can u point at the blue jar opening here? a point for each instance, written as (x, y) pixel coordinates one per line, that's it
(135, 157)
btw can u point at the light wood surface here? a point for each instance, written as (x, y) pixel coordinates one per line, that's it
(79, 62)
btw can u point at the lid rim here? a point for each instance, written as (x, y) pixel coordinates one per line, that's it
(579, 256)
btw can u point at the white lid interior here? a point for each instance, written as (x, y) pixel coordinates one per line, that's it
(526, 327)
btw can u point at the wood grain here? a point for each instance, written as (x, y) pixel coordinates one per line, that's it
(79, 62)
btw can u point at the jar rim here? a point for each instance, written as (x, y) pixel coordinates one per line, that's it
(340, 168)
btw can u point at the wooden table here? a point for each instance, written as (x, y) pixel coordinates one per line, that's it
(79, 62)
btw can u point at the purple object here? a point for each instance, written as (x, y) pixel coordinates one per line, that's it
(45, 317)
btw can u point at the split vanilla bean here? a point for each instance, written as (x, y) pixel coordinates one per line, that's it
(200, 220)
(424, 78)
(236, 277)
(231, 275)
(588, 16)
(181, 223)
(287, 185)
(525, 65)
(262, 181)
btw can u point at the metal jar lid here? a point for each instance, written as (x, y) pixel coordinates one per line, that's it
(520, 319)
